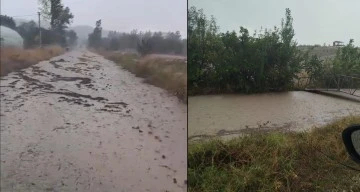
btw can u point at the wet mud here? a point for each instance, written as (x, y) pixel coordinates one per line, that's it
(80, 124)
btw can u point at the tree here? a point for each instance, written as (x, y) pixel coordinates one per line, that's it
(7, 21)
(313, 67)
(59, 17)
(145, 46)
(143, 42)
(241, 62)
(205, 45)
(347, 60)
(71, 37)
(48, 37)
(95, 37)
(289, 54)
(29, 32)
(114, 44)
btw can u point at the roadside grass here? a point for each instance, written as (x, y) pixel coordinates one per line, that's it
(169, 74)
(13, 59)
(275, 161)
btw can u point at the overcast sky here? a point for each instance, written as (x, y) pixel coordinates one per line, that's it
(315, 21)
(120, 15)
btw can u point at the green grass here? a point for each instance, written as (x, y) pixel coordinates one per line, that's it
(275, 162)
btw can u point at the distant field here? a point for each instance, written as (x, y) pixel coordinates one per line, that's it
(324, 52)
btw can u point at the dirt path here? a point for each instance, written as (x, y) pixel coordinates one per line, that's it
(80, 123)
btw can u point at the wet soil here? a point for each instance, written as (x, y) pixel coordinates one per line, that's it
(72, 124)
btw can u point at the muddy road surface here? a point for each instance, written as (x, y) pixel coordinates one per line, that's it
(81, 123)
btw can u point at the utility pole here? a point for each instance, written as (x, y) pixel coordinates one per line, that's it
(40, 38)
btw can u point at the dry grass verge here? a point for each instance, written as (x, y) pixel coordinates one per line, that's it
(13, 59)
(167, 72)
(275, 162)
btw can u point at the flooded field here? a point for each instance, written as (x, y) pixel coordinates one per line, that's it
(232, 115)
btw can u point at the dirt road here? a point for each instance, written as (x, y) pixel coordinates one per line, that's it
(81, 123)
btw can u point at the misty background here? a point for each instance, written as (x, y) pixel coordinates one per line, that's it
(121, 16)
(315, 22)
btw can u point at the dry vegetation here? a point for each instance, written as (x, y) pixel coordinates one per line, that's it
(311, 161)
(13, 59)
(323, 52)
(167, 72)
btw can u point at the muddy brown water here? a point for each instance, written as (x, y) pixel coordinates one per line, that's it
(70, 125)
(229, 116)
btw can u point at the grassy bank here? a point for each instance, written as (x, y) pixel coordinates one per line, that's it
(164, 72)
(275, 162)
(13, 59)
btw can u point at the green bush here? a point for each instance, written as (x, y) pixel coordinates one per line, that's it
(266, 61)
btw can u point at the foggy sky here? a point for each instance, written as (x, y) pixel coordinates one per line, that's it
(120, 15)
(315, 21)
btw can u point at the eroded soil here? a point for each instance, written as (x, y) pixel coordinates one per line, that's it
(81, 123)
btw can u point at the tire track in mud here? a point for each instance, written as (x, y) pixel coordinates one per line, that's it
(79, 123)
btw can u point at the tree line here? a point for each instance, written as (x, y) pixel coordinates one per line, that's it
(143, 42)
(58, 15)
(268, 60)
